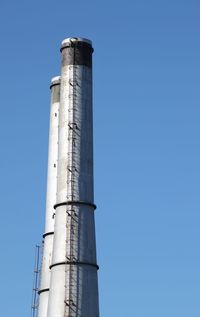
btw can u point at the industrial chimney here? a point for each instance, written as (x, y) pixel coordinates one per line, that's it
(50, 197)
(73, 287)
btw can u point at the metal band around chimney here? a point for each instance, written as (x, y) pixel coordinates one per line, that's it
(74, 263)
(47, 234)
(43, 290)
(55, 81)
(75, 202)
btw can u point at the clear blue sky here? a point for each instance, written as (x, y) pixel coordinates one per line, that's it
(147, 148)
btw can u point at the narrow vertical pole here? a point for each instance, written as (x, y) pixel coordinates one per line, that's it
(50, 197)
(34, 307)
(74, 286)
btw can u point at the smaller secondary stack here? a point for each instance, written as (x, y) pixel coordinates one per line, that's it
(50, 197)
(69, 284)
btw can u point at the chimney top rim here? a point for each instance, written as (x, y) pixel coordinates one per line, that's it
(55, 78)
(76, 39)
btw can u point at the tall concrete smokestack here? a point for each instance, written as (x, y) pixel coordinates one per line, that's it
(50, 197)
(74, 287)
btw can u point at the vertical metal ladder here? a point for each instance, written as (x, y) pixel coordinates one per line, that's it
(72, 195)
(36, 281)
